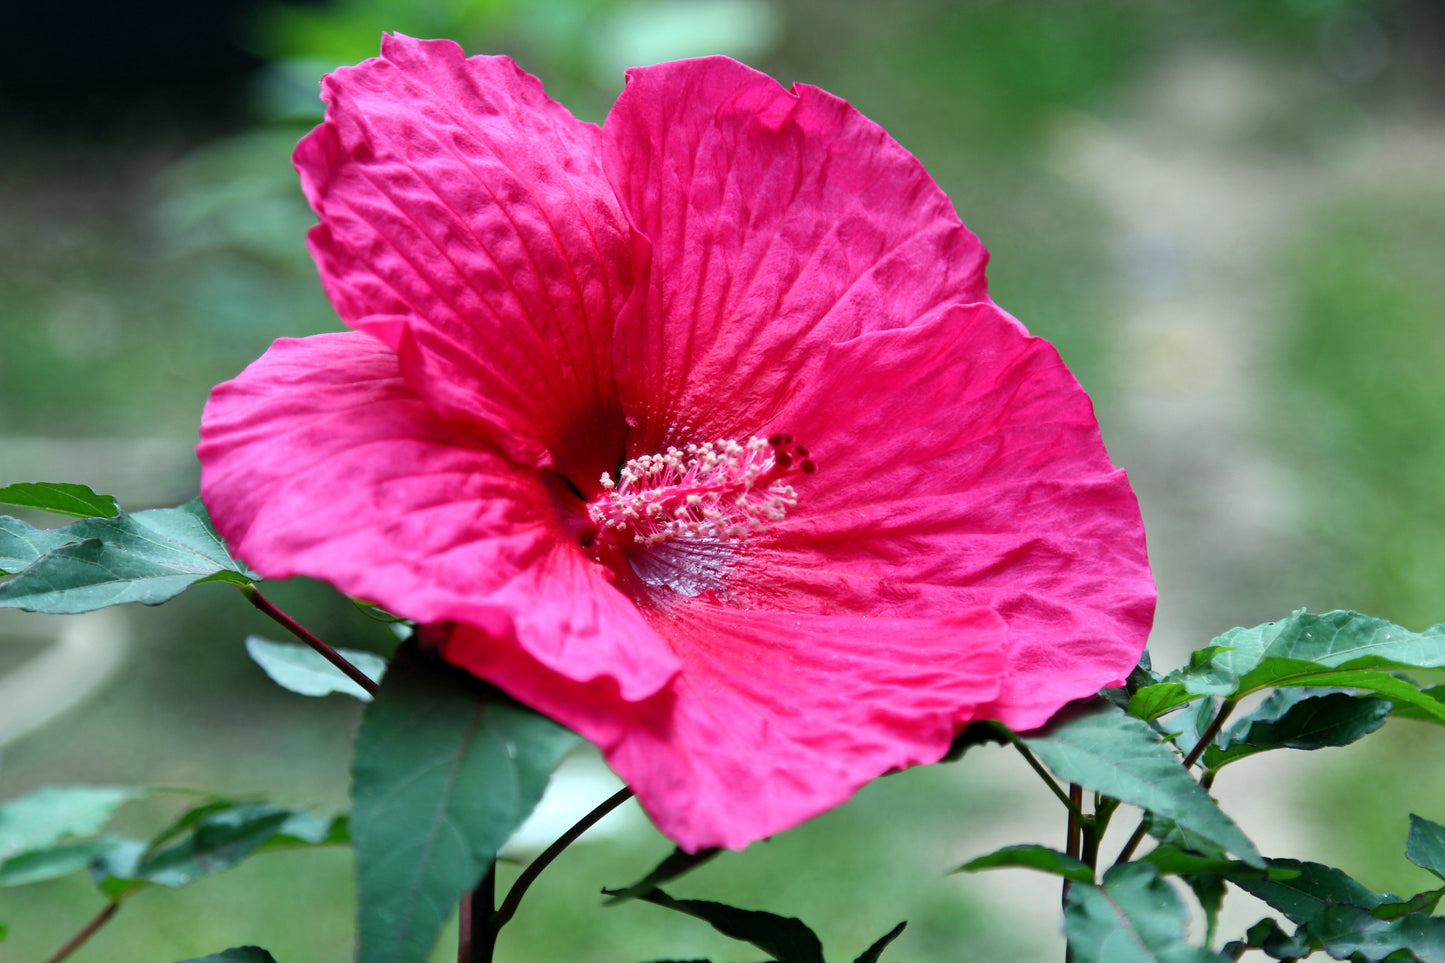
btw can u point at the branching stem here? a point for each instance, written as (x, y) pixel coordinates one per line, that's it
(1205, 738)
(310, 638)
(534, 869)
(85, 933)
(1075, 813)
(1212, 730)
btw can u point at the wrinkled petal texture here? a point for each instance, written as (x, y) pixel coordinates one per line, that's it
(467, 223)
(775, 717)
(318, 460)
(781, 222)
(538, 300)
(982, 482)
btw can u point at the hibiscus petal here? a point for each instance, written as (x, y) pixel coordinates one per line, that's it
(467, 223)
(983, 483)
(319, 460)
(781, 221)
(775, 717)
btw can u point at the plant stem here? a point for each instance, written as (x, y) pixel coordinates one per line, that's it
(478, 934)
(1074, 811)
(1076, 804)
(1205, 738)
(534, 869)
(1104, 807)
(1071, 846)
(310, 638)
(86, 932)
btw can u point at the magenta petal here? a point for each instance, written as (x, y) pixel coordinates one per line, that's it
(319, 460)
(467, 223)
(775, 717)
(982, 483)
(781, 221)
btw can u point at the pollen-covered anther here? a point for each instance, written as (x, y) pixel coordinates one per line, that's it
(721, 489)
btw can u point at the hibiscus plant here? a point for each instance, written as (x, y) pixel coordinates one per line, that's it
(697, 436)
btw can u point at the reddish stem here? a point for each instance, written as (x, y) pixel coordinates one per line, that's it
(85, 933)
(310, 638)
(1076, 800)
(478, 933)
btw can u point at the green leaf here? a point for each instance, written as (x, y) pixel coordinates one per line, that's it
(302, 669)
(678, 862)
(1134, 917)
(875, 952)
(52, 862)
(46, 816)
(115, 870)
(785, 938)
(1274, 673)
(60, 498)
(1209, 890)
(1305, 895)
(1347, 930)
(974, 734)
(1120, 756)
(239, 954)
(1419, 903)
(1032, 856)
(1341, 648)
(1170, 833)
(21, 543)
(1173, 861)
(147, 557)
(1276, 943)
(1423, 710)
(1299, 719)
(1153, 701)
(208, 839)
(444, 771)
(1426, 845)
(223, 838)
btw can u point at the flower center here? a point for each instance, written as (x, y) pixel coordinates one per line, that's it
(718, 490)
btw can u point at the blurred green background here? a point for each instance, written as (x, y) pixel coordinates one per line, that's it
(1230, 216)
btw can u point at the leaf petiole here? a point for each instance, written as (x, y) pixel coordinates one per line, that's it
(85, 933)
(310, 638)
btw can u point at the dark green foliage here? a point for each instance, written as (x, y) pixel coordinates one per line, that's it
(875, 952)
(207, 839)
(48, 816)
(1032, 857)
(38, 838)
(1133, 917)
(22, 543)
(303, 670)
(1303, 896)
(1115, 754)
(1339, 649)
(1299, 719)
(785, 938)
(676, 863)
(445, 770)
(238, 954)
(148, 557)
(1426, 845)
(60, 498)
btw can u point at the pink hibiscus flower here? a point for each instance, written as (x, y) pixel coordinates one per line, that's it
(697, 432)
